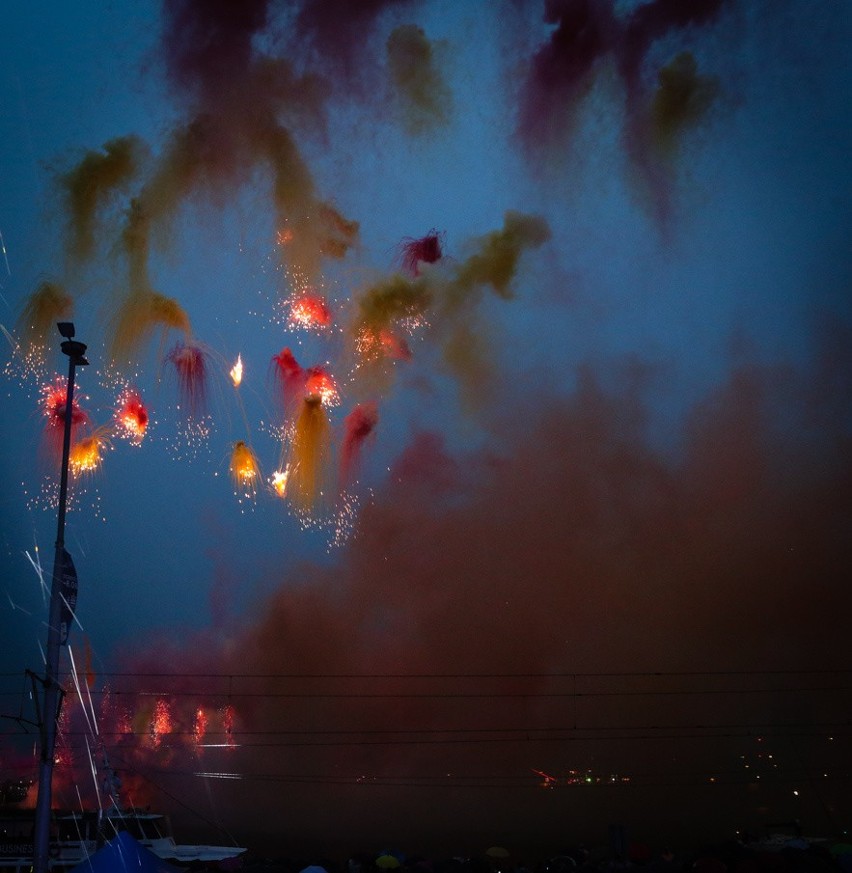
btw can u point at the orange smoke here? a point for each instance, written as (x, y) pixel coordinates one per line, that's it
(309, 455)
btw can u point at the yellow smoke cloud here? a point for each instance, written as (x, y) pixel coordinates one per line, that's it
(422, 92)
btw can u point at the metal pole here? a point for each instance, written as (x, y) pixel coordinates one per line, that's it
(52, 689)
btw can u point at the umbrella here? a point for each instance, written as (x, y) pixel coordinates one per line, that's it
(387, 862)
(123, 853)
(497, 852)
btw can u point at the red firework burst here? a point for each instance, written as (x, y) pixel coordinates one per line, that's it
(320, 383)
(131, 416)
(425, 250)
(373, 344)
(54, 403)
(358, 426)
(289, 375)
(190, 363)
(309, 311)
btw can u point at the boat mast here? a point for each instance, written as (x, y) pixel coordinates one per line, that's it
(52, 690)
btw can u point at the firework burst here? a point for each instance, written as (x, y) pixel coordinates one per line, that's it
(190, 363)
(131, 417)
(244, 469)
(54, 403)
(425, 250)
(320, 383)
(86, 454)
(308, 312)
(236, 372)
(358, 426)
(289, 376)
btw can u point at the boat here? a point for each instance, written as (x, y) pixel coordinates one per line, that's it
(76, 835)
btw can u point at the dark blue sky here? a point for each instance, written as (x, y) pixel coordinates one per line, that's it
(634, 459)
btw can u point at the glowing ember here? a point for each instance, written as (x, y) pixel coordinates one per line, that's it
(237, 372)
(284, 236)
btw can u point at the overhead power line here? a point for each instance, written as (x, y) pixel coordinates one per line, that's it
(539, 675)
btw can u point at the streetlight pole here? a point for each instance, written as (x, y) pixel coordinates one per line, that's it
(50, 713)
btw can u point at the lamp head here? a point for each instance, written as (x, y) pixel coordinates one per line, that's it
(66, 329)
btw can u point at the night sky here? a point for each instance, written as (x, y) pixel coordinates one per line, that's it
(569, 544)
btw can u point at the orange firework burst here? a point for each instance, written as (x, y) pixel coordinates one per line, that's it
(244, 469)
(131, 416)
(228, 719)
(308, 455)
(278, 482)
(309, 311)
(161, 721)
(199, 729)
(86, 455)
(373, 344)
(124, 722)
(320, 383)
(236, 372)
(190, 363)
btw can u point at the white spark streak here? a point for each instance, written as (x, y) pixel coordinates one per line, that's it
(219, 775)
(92, 726)
(36, 565)
(94, 768)
(5, 256)
(15, 605)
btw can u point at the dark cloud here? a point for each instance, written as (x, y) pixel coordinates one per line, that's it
(339, 32)
(589, 35)
(562, 70)
(208, 43)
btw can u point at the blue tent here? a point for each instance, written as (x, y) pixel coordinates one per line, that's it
(123, 854)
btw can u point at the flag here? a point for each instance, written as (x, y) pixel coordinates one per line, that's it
(68, 590)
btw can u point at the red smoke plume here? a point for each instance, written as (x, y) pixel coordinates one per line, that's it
(464, 631)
